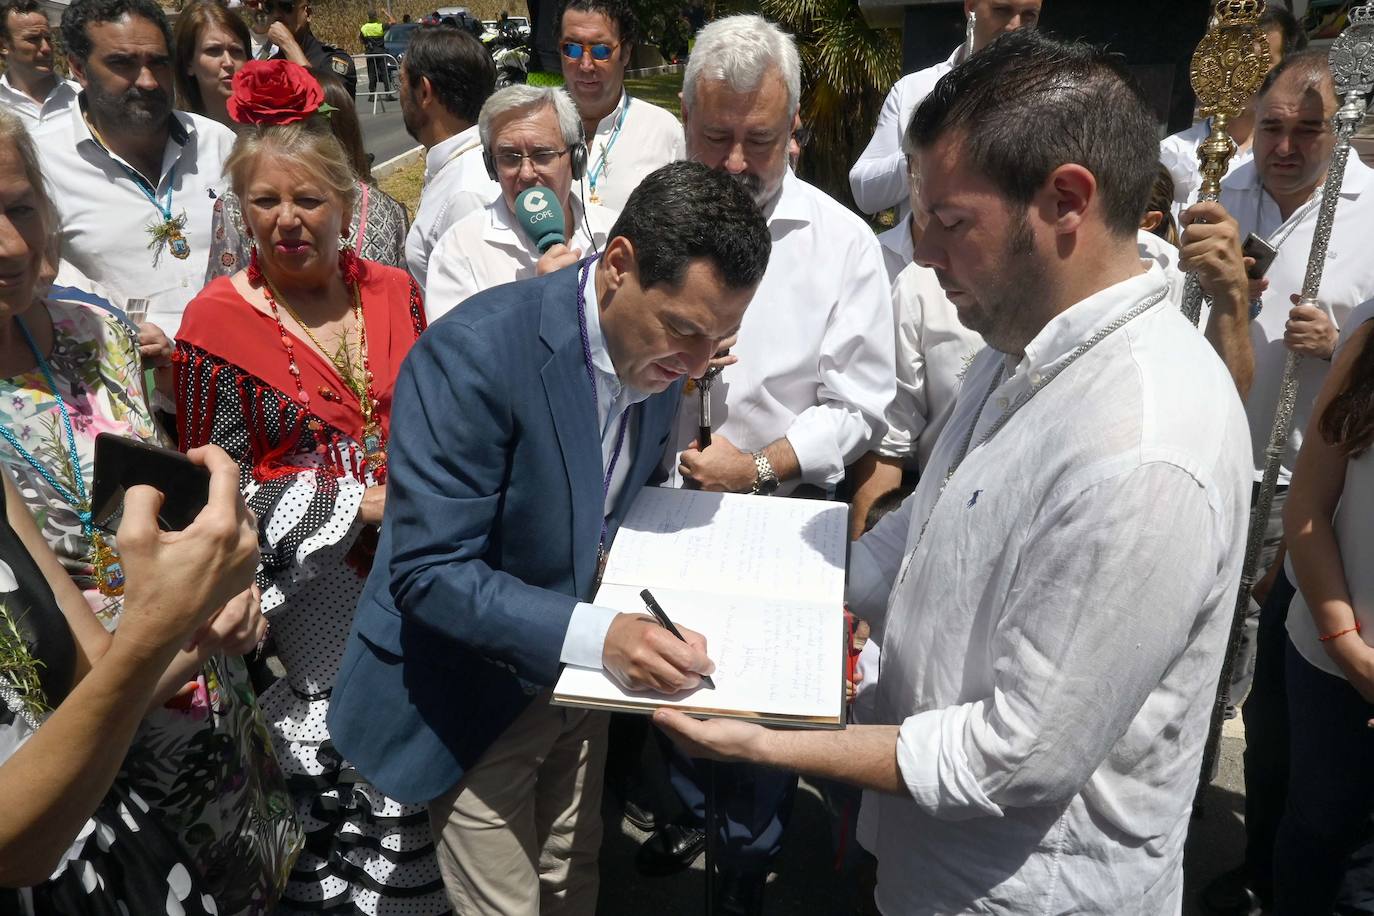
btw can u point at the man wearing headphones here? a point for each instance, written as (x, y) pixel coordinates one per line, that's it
(531, 137)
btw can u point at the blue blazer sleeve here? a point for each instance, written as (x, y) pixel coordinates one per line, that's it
(449, 470)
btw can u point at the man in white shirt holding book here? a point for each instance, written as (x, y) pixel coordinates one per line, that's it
(1054, 599)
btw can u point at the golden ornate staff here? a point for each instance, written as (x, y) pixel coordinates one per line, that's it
(1228, 68)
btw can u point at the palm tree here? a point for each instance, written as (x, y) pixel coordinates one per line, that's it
(847, 69)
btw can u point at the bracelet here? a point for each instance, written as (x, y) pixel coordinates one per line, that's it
(1340, 633)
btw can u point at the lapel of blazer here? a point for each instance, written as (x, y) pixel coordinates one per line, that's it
(574, 419)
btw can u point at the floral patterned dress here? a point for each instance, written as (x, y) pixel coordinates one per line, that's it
(204, 762)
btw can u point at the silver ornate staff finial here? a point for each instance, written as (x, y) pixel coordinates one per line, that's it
(1352, 67)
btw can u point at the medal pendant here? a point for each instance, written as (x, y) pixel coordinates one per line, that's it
(176, 242)
(373, 448)
(109, 572)
(594, 198)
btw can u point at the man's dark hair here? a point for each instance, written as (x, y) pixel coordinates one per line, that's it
(1028, 104)
(83, 13)
(1293, 34)
(456, 65)
(19, 7)
(618, 11)
(683, 212)
(1314, 67)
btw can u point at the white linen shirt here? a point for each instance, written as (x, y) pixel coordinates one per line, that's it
(33, 114)
(1347, 281)
(487, 248)
(105, 217)
(934, 349)
(1051, 648)
(1178, 153)
(586, 636)
(878, 180)
(650, 137)
(816, 349)
(456, 184)
(1153, 248)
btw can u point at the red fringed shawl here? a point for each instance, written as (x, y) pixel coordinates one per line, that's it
(222, 332)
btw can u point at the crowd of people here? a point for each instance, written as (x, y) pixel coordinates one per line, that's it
(422, 435)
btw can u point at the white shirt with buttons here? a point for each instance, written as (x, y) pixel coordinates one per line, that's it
(619, 155)
(1347, 281)
(36, 115)
(106, 217)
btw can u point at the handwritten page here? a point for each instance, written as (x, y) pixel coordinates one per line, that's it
(727, 542)
(761, 578)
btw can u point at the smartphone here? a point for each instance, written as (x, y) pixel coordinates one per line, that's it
(1263, 253)
(121, 463)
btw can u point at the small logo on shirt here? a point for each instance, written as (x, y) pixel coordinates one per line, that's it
(973, 500)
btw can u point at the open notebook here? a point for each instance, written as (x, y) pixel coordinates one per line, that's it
(761, 578)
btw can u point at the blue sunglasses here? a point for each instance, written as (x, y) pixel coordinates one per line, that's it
(599, 51)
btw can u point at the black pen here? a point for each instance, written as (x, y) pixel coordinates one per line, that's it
(667, 624)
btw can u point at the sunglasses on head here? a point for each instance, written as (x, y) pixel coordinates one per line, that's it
(600, 51)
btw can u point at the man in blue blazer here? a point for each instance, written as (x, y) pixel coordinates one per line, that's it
(524, 423)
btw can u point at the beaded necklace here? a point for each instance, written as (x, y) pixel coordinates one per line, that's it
(109, 572)
(360, 383)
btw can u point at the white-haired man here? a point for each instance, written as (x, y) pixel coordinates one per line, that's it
(878, 179)
(815, 371)
(531, 136)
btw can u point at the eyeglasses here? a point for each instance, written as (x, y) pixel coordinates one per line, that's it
(511, 161)
(600, 51)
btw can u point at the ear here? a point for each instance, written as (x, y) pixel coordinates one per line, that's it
(968, 7)
(618, 263)
(796, 121)
(78, 68)
(1067, 197)
(1152, 220)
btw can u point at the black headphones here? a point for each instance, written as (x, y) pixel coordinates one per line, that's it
(577, 153)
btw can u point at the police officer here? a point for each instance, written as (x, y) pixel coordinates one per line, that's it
(373, 37)
(290, 34)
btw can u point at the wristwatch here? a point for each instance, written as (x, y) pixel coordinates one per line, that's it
(765, 478)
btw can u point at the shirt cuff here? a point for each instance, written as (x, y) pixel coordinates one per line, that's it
(930, 757)
(586, 636)
(813, 442)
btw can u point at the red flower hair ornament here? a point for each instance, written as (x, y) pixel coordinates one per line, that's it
(275, 92)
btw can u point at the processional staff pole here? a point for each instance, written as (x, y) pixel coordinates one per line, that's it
(1228, 68)
(1352, 66)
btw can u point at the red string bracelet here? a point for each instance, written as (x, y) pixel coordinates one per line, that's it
(1338, 635)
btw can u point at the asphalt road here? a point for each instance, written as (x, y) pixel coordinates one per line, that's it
(384, 134)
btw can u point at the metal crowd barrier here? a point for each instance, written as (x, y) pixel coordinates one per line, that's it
(375, 92)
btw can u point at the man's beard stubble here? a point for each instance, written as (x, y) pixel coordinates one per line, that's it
(1007, 301)
(134, 110)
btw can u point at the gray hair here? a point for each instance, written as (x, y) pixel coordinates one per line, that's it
(519, 98)
(740, 50)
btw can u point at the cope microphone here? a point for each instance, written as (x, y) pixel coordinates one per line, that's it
(538, 212)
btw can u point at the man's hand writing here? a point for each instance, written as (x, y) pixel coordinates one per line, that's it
(641, 655)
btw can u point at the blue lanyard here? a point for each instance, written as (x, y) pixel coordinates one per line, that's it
(151, 193)
(595, 174)
(596, 408)
(78, 500)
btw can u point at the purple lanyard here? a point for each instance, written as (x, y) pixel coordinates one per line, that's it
(596, 410)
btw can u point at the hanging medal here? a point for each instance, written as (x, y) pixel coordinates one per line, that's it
(109, 571)
(168, 233)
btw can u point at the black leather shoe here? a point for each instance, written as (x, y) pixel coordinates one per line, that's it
(640, 816)
(669, 850)
(740, 896)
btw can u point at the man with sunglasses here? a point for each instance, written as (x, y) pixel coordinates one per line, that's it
(289, 38)
(627, 137)
(531, 137)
